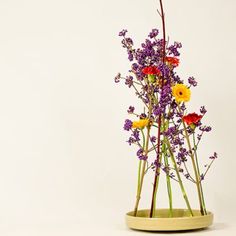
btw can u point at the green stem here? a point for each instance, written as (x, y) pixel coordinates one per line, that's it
(178, 176)
(140, 164)
(138, 196)
(197, 177)
(139, 175)
(155, 192)
(198, 169)
(168, 183)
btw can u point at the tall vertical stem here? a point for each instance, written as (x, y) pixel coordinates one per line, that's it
(142, 173)
(140, 185)
(179, 178)
(197, 177)
(168, 183)
(198, 169)
(156, 177)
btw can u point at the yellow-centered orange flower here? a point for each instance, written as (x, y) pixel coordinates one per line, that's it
(140, 124)
(181, 93)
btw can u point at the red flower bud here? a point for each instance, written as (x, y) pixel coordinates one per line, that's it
(192, 118)
(151, 70)
(172, 60)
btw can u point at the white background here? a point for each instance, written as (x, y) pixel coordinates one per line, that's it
(65, 168)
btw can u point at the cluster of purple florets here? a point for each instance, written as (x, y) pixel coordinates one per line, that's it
(150, 53)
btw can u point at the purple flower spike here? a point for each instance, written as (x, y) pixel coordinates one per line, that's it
(123, 32)
(153, 33)
(203, 110)
(130, 110)
(192, 81)
(215, 155)
(141, 155)
(143, 116)
(129, 81)
(136, 135)
(153, 139)
(117, 78)
(131, 140)
(128, 125)
(205, 128)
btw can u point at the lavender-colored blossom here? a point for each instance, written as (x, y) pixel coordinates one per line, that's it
(140, 152)
(117, 78)
(173, 49)
(202, 177)
(135, 66)
(131, 140)
(176, 78)
(157, 110)
(214, 156)
(130, 55)
(177, 141)
(128, 124)
(182, 154)
(123, 32)
(153, 33)
(153, 139)
(129, 81)
(187, 176)
(129, 41)
(192, 81)
(157, 164)
(171, 131)
(203, 110)
(199, 136)
(166, 97)
(141, 155)
(172, 175)
(143, 116)
(134, 138)
(136, 135)
(205, 128)
(130, 109)
(166, 169)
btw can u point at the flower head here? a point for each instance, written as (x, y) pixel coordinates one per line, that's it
(192, 81)
(214, 156)
(128, 124)
(130, 109)
(123, 32)
(117, 78)
(203, 110)
(173, 61)
(181, 93)
(140, 124)
(151, 70)
(192, 118)
(153, 33)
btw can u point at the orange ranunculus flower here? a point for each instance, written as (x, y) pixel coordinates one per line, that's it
(192, 118)
(172, 61)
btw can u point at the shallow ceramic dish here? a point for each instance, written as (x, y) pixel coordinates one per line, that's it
(180, 221)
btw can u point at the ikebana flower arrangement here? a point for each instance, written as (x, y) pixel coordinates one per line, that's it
(165, 133)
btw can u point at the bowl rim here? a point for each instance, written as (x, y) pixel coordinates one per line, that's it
(209, 214)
